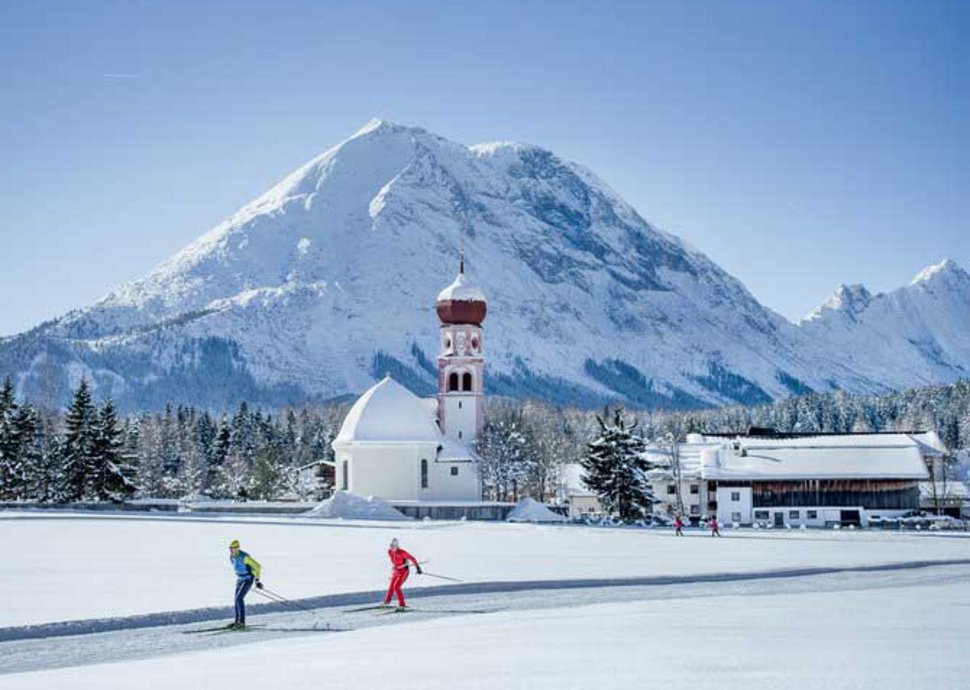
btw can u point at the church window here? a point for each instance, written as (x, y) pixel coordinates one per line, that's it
(459, 404)
(459, 434)
(475, 344)
(424, 473)
(453, 381)
(344, 482)
(454, 471)
(466, 381)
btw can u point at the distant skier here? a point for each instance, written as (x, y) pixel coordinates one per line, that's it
(715, 532)
(247, 572)
(679, 525)
(399, 572)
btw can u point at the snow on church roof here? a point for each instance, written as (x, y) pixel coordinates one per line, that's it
(389, 412)
(895, 457)
(461, 291)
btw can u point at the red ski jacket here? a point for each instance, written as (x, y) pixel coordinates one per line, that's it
(400, 558)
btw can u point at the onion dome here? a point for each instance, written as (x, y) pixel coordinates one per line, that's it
(461, 302)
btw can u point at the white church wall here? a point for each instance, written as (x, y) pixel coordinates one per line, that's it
(453, 481)
(392, 472)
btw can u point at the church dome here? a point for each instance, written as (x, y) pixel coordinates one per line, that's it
(387, 413)
(461, 302)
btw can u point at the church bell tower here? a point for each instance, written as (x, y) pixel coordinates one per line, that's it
(461, 310)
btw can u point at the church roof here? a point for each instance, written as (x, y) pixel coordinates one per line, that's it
(461, 290)
(389, 413)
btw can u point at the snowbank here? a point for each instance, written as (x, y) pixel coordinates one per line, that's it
(529, 510)
(344, 504)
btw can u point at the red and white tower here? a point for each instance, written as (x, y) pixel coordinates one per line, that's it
(461, 309)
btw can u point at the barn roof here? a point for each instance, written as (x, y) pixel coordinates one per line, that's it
(888, 456)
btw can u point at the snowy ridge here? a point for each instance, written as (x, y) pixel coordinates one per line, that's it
(327, 281)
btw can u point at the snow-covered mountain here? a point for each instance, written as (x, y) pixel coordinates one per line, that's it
(328, 281)
(915, 335)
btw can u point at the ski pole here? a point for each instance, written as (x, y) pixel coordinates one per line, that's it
(441, 577)
(279, 598)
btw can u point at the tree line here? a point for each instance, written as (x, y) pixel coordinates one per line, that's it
(90, 452)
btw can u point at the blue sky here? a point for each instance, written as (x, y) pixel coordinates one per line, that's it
(798, 144)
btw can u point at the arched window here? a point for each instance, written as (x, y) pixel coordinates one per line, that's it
(344, 481)
(424, 473)
(466, 381)
(453, 381)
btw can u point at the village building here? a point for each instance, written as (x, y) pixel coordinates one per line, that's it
(402, 448)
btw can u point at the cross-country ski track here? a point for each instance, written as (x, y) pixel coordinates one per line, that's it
(83, 642)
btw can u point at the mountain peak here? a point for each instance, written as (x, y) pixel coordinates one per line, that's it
(846, 299)
(940, 271)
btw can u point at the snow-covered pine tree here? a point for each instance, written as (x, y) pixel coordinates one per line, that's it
(48, 479)
(615, 469)
(10, 469)
(114, 475)
(80, 467)
(26, 426)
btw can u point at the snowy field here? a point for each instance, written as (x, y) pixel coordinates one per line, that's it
(80, 567)
(891, 611)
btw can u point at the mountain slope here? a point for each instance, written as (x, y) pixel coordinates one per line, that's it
(915, 335)
(328, 281)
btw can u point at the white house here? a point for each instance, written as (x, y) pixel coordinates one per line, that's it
(397, 446)
(778, 479)
(818, 480)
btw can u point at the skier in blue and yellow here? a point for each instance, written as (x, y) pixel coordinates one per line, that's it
(247, 571)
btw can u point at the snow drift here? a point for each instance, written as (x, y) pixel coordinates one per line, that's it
(530, 510)
(344, 504)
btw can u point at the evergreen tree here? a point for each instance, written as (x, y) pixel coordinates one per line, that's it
(10, 463)
(615, 468)
(114, 474)
(80, 465)
(26, 426)
(267, 476)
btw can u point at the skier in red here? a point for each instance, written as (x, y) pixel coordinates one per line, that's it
(679, 525)
(715, 532)
(399, 572)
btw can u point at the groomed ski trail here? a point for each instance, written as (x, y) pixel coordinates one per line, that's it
(79, 643)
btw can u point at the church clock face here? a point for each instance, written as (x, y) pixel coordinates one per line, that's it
(461, 341)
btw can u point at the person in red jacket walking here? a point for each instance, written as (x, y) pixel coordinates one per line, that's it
(679, 525)
(399, 572)
(715, 532)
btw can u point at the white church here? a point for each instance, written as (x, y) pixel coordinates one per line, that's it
(399, 447)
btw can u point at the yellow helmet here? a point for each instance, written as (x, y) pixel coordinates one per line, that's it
(234, 544)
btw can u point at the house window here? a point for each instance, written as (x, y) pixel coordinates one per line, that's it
(424, 474)
(459, 434)
(671, 489)
(453, 381)
(466, 381)
(735, 517)
(344, 483)
(811, 514)
(695, 510)
(694, 489)
(454, 471)
(761, 515)
(792, 514)
(735, 496)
